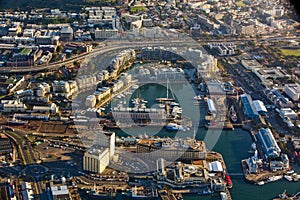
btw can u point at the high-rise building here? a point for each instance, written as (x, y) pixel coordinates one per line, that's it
(292, 91)
(96, 160)
(106, 139)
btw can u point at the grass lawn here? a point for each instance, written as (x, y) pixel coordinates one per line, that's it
(25, 51)
(290, 52)
(137, 8)
(240, 4)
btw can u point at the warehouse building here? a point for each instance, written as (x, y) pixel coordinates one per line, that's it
(268, 143)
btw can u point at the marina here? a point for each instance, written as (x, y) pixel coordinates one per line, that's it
(131, 109)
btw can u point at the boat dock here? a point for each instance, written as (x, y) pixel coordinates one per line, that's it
(260, 176)
(228, 194)
(166, 195)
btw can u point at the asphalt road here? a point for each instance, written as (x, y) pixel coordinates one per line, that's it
(26, 152)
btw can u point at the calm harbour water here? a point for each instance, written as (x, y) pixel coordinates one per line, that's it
(233, 145)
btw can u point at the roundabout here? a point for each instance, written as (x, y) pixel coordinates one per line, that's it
(35, 170)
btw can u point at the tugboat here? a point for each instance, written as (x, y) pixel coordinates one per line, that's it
(228, 181)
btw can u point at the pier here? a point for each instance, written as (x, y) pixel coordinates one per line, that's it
(166, 195)
(228, 194)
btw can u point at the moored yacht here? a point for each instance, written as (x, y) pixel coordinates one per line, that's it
(223, 196)
(274, 178)
(260, 183)
(289, 178)
(174, 127)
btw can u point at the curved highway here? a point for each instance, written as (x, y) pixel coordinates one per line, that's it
(115, 45)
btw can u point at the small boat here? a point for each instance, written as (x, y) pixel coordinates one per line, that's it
(135, 87)
(174, 127)
(289, 178)
(295, 177)
(174, 104)
(161, 105)
(233, 115)
(138, 102)
(274, 178)
(161, 100)
(260, 183)
(223, 196)
(198, 98)
(290, 172)
(253, 148)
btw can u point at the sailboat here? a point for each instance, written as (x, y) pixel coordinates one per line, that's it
(166, 99)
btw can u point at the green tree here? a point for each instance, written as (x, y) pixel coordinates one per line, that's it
(60, 48)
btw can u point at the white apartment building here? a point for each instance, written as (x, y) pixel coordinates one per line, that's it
(292, 91)
(101, 34)
(9, 106)
(86, 81)
(52, 108)
(65, 88)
